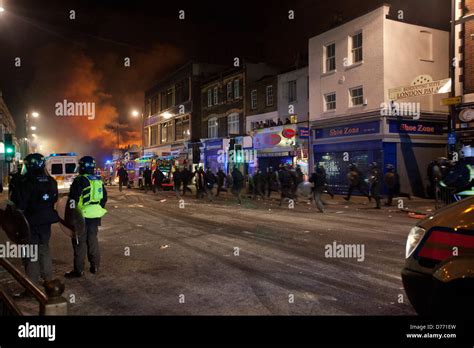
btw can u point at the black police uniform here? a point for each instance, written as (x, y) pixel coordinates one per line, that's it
(35, 193)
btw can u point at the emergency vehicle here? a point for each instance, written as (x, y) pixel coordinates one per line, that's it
(62, 167)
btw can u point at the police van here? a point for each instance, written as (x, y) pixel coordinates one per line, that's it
(62, 167)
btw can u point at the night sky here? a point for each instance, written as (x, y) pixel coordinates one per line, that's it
(82, 59)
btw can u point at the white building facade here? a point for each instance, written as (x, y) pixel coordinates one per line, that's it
(375, 90)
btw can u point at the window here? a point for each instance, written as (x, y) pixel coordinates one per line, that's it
(270, 95)
(236, 89)
(216, 98)
(253, 99)
(167, 99)
(170, 131)
(229, 91)
(209, 97)
(357, 48)
(357, 96)
(154, 135)
(182, 91)
(292, 91)
(212, 128)
(330, 57)
(164, 133)
(182, 128)
(56, 168)
(70, 168)
(330, 99)
(233, 124)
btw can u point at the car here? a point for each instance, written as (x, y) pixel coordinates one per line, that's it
(438, 276)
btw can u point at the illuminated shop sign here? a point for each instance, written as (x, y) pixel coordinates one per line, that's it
(412, 127)
(282, 138)
(348, 130)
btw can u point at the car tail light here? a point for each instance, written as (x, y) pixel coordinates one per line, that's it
(441, 245)
(414, 238)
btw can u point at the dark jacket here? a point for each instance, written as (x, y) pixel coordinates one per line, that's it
(237, 180)
(36, 196)
(209, 179)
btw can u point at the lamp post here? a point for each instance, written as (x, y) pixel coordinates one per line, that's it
(136, 113)
(27, 121)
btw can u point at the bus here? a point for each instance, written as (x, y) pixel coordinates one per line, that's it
(62, 167)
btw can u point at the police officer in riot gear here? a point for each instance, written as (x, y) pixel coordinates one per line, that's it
(392, 182)
(35, 193)
(374, 182)
(355, 182)
(89, 196)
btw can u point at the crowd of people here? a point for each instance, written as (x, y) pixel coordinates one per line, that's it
(288, 181)
(270, 123)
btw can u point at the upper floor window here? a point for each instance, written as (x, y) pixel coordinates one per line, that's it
(330, 57)
(356, 42)
(269, 95)
(357, 96)
(253, 99)
(292, 91)
(236, 89)
(212, 127)
(229, 91)
(233, 124)
(209, 97)
(216, 97)
(330, 100)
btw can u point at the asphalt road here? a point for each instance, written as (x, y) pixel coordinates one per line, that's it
(221, 258)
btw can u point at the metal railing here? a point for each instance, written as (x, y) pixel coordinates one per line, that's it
(51, 301)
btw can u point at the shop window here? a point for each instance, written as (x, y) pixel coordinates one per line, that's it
(154, 135)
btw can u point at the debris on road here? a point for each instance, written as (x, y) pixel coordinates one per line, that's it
(165, 246)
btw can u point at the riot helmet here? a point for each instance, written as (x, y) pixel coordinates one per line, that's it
(86, 165)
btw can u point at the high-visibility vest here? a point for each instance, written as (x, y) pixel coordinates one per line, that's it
(89, 202)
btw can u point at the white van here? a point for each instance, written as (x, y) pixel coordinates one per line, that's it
(62, 167)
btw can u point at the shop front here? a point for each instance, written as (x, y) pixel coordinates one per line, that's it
(408, 145)
(275, 146)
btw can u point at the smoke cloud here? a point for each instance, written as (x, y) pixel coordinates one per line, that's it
(69, 73)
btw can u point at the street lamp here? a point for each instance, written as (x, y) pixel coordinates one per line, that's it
(2, 9)
(33, 128)
(27, 121)
(136, 113)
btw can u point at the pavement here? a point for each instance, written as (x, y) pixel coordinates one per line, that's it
(164, 256)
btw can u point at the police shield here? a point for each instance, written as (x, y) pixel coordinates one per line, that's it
(15, 225)
(70, 218)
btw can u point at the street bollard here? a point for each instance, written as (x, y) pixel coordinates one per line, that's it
(56, 304)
